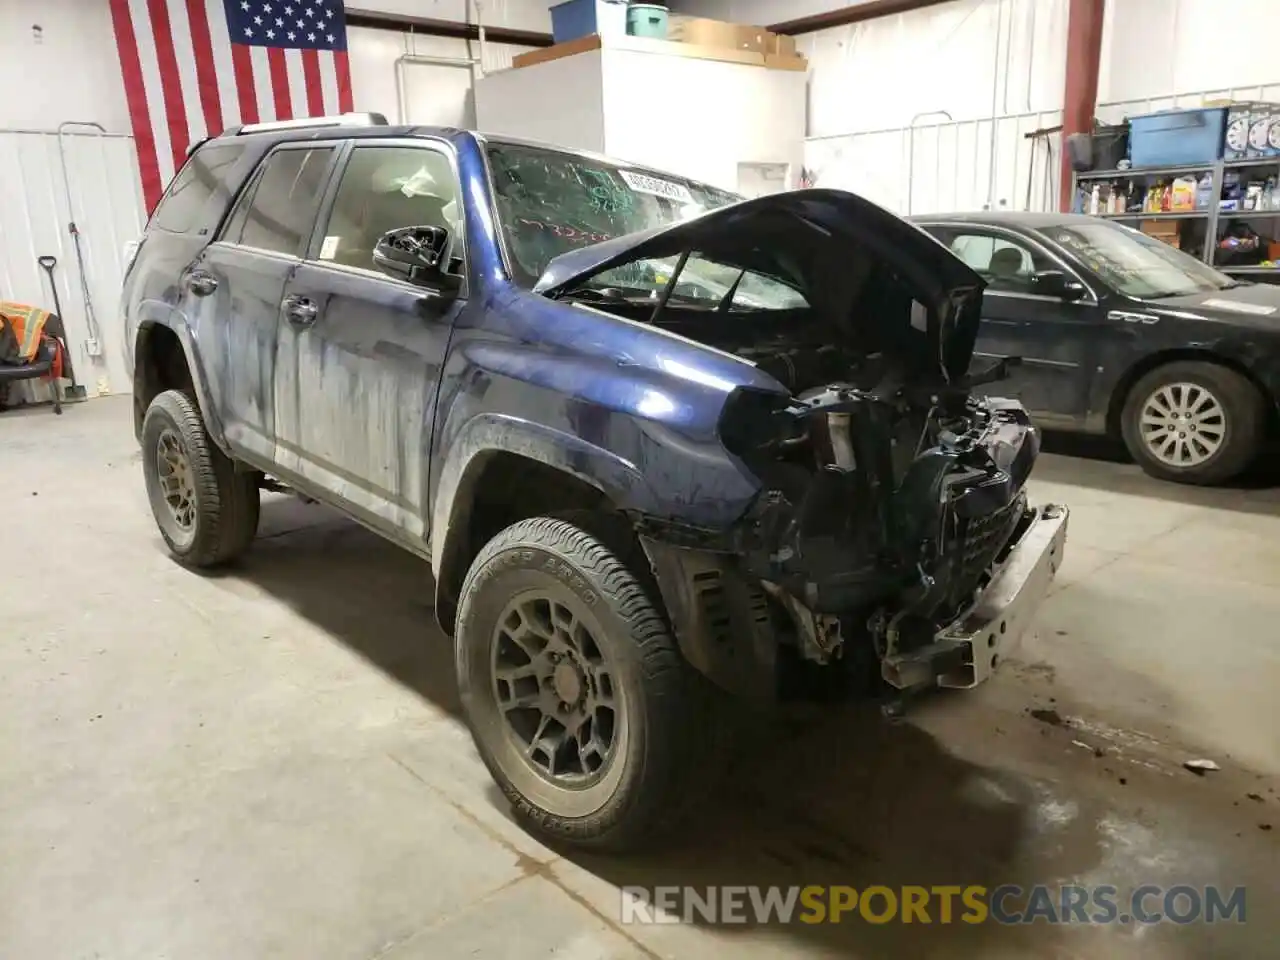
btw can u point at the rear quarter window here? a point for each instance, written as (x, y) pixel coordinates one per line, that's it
(201, 191)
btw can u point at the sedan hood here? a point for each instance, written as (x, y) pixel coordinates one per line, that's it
(1255, 305)
(812, 239)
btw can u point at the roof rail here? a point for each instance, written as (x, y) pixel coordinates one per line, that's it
(340, 120)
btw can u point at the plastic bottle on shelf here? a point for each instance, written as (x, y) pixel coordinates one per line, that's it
(1204, 192)
(1269, 194)
(1094, 199)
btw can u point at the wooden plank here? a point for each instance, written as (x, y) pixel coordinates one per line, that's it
(668, 48)
(556, 51)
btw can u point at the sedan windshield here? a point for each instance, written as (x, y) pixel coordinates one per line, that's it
(550, 202)
(1135, 264)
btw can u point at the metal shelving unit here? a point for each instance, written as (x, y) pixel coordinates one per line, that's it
(1213, 215)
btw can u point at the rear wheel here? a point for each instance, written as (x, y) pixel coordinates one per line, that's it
(577, 696)
(207, 512)
(1193, 422)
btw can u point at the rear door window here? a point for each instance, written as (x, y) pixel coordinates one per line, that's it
(277, 210)
(189, 203)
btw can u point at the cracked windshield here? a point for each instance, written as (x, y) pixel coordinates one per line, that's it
(551, 202)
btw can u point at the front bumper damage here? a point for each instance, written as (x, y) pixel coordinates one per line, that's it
(969, 649)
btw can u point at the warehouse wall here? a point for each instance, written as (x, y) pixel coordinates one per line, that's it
(105, 194)
(997, 68)
(435, 93)
(949, 137)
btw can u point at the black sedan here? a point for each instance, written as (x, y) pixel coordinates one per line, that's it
(1122, 334)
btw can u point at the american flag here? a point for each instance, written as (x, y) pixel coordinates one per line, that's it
(192, 68)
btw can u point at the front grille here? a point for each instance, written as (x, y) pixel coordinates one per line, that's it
(977, 543)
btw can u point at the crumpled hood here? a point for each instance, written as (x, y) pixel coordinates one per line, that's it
(746, 235)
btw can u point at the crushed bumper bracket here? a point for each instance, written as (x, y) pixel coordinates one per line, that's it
(967, 651)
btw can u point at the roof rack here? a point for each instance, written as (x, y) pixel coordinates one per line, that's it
(340, 120)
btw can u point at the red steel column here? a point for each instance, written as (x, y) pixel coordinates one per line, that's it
(1080, 93)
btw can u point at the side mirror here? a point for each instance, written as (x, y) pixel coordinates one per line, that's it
(1055, 283)
(419, 255)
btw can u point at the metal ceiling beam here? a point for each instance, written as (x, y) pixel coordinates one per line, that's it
(445, 28)
(857, 13)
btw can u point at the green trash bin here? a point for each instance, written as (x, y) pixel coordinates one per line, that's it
(647, 20)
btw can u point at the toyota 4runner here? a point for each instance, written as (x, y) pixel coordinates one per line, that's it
(656, 442)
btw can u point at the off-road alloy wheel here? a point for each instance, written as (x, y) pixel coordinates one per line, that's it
(577, 696)
(1193, 422)
(207, 512)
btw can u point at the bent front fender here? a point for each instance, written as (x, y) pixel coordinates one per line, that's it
(486, 434)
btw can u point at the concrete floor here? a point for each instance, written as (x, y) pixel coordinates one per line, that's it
(269, 763)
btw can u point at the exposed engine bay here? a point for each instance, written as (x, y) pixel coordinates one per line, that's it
(886, 501)
(890, 524)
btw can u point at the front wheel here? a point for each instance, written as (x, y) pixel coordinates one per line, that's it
(1193, 422)
(577, 696)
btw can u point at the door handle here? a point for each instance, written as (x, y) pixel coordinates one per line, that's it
(201, 284)
(300, 311)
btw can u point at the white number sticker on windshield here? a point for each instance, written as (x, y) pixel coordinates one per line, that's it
(667, 189)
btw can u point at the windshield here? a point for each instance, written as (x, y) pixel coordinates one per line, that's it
(1135, 264)
(550, 202)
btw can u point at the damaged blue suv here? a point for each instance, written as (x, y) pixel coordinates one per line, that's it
(657, 443)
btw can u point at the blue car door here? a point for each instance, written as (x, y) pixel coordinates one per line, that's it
(361, 352)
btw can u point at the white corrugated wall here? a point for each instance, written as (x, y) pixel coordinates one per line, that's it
(927, 111)
(945, 166)
(106, 203)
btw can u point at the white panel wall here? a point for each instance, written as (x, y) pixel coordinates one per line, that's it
(974, 59)
(949, 137)
(1160, 48)
(739, 114)
(515, 103)
(79, 33)
(434, 93)
(68, 70)
(714, 115)
(936, 167)
(998, 66)
(107, 204)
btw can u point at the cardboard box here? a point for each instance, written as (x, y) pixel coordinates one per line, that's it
(782, 46)
(720, 33)
(778, 61)
(668, 48)
(566, 49)
(1166, 231)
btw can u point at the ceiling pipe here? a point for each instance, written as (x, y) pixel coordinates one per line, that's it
(432, 27)
(871, 10)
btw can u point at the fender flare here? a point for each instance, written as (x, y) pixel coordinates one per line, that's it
(157, 314)
(467, 453)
